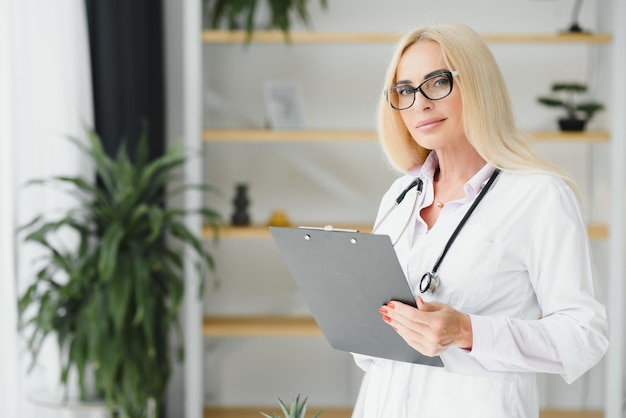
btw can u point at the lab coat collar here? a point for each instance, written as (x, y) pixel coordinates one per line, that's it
(472, 187)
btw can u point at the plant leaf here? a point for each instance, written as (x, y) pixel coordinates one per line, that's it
(109, 247)
(112, 299)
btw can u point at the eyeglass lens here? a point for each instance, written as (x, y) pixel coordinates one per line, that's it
(436, 87)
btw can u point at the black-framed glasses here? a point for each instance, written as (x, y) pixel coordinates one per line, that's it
(435, 87)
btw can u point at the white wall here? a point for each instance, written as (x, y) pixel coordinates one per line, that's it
(343, 182)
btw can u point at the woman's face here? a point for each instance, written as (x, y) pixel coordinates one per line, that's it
(433, 124)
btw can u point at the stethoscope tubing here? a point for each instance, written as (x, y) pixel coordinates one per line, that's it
(419, 184)
(458, 228)
(430, 281)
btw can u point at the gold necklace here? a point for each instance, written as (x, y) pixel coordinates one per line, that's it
(438, 203)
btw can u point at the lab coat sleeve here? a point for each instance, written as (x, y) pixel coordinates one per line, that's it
(364, 362)
(571, 336)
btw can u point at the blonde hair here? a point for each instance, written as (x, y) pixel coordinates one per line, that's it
(487, 113)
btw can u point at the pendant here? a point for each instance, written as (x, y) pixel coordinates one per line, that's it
(439, 204)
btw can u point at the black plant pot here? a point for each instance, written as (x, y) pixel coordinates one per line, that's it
(572, 125)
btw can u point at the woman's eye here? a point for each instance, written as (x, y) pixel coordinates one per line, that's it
(405, 90)
(441, 81)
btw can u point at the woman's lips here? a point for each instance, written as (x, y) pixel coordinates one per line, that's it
(429, 123)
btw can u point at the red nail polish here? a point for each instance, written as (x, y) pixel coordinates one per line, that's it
(386, 319)
(391, 305)
(383, 310)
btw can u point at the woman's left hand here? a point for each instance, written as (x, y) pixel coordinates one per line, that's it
(430, 328)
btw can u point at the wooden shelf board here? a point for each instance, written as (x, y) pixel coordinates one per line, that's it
(269, 135)
(274, 36)
(595, 231)
(254, 412)
(268, 325)
(587, 136)
(262, 231)
(598, 38)
(567, 413)
(319, 135)
(252, 231)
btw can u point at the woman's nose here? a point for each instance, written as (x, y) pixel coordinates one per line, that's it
(421, 103)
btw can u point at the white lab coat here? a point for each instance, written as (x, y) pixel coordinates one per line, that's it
(522, 255)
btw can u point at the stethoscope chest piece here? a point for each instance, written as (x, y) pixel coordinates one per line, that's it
(429, 283)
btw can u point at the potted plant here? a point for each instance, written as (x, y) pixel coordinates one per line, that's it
(577, 113)
(240, 14)
(113, 301)
(297, 410)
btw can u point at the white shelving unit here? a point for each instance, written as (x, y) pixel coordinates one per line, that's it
(198, 327)
(192, 127)
(614, 385)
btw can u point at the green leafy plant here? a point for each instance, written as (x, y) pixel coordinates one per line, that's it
(568, 101)
(113, 301)
(297, 410)
(239, 14)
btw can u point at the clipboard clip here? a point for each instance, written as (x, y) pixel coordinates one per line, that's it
(328, 228)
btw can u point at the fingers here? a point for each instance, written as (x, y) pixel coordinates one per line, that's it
(430, 328)
(411, 325)
(405, 313)
(399, 314)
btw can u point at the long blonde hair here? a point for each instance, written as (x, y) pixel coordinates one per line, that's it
(487, 113)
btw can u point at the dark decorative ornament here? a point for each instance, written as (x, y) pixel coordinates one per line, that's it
(240, 216)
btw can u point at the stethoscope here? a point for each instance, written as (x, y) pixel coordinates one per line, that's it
(430, 281)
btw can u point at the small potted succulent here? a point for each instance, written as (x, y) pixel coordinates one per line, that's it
(297, 410)
(578, 114)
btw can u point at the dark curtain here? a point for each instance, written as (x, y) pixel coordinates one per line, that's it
(127, 60)
(127, 63)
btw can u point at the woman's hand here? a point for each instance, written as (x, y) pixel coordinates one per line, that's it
(431, 327)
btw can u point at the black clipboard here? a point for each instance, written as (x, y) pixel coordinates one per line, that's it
(345, 277)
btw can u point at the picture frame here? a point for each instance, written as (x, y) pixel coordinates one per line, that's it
(284, 104)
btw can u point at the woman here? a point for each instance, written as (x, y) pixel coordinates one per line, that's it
(513, 295)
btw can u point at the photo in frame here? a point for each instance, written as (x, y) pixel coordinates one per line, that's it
(284, 104)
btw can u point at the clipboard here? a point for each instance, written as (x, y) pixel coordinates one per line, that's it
(344, 277)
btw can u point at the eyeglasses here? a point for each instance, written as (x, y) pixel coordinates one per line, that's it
(436, 87)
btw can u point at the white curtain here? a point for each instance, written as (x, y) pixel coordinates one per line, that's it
(8, 349)
(45, 85)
